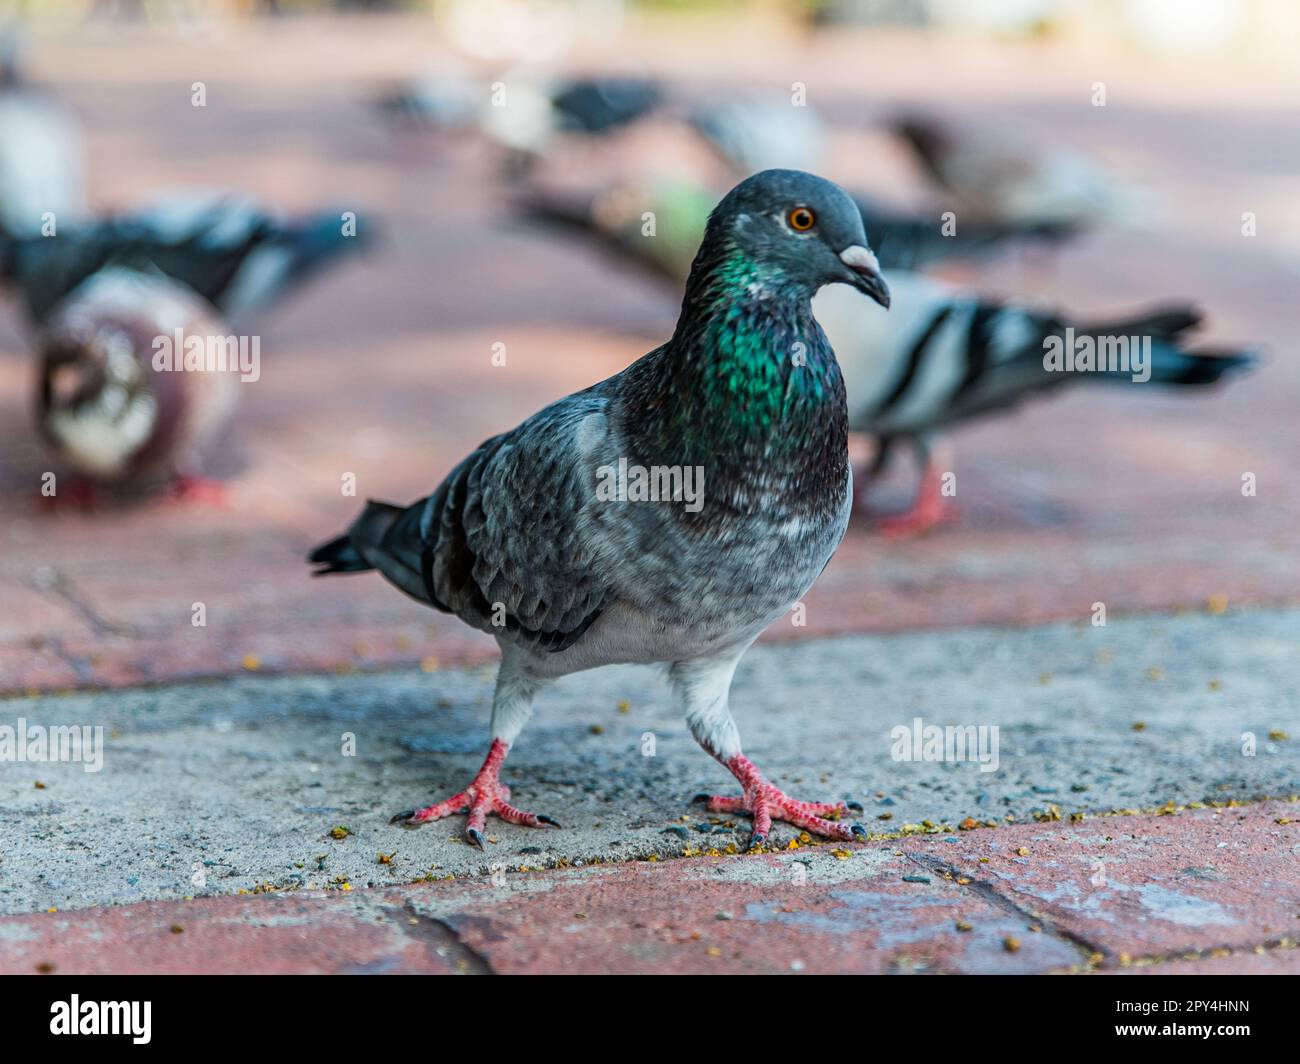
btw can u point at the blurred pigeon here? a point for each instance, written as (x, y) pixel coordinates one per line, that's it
(446, 100)
(999, 180)
(943, 356)
(42, 156)
(587, 535)
(104, 405)
(224, 246)
(520, 112)
(597, 105)
(761, 131)
(617, 218)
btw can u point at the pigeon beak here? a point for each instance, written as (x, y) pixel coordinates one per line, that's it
(864, 273)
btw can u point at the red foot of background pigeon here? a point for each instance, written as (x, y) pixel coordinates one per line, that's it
(929, 510)
(79, 493)
(202, 490)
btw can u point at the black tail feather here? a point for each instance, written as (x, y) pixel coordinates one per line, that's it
(345, 553)
(569, 212)
(337, 556)
(1167, 328)
(1202, 366)
(1165, 322)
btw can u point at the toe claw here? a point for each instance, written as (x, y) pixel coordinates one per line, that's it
(474, 837)
(403, 818)
(756, 841)
(856, 807)
(858, 831)
(547, 820)
(700, 798)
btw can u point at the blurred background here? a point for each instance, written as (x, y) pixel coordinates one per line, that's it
(494, 154)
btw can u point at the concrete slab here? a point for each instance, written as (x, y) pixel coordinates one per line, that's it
(238, 784)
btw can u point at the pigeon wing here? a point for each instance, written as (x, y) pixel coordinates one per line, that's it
(504, 543)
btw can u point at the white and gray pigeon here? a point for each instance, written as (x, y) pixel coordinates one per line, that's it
(113, 417)
(1001, 178)
(734, 490)
(944, 355)
(523, 112)
(759, 131)
(225, 246)
(42, 154)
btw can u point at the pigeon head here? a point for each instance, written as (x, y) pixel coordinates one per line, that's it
(796, 231)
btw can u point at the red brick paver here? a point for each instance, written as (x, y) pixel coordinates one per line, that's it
(1204, 891)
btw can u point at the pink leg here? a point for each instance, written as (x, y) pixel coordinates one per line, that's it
(188, 488)
(765, 803)
(486, 795)
(80, 493)
(930, 507)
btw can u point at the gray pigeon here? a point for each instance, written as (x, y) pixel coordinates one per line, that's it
(944, 356)
(1001, 180)
(667, 514)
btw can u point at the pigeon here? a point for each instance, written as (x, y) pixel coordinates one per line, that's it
(223, 246)
(592, 105)
(444, 99)
(761, 131)
(587, 535)
(944, 356)
(523, 114)
(598, 105)
(109, 407)
(42, 155)
(1000, 181)
(616, 218)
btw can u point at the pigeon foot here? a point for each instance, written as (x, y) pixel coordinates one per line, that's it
(486, 795)
(930, 508)
(765, 803)
(80, 493)
(187, 488)
(925, 515)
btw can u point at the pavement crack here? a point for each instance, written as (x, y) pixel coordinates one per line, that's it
(445, 938)
(989, 893)
(50, 581)
(1272, 945)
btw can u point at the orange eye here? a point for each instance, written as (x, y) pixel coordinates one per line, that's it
(801, 219)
